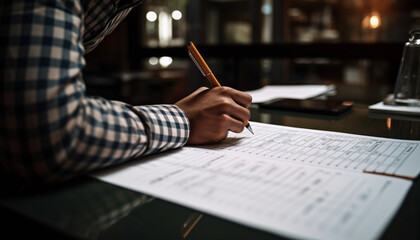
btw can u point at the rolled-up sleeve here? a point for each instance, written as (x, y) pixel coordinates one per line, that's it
(49, 129)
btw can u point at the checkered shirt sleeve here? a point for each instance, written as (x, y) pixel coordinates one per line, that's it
(49, 129)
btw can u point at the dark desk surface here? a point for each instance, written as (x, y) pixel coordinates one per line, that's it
(86, 208)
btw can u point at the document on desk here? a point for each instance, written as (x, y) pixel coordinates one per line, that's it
(271, 92)
(292, 182)
(380, 107)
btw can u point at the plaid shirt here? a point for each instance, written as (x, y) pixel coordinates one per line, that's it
(49, 129)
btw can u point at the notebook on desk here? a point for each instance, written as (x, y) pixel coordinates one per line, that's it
(292, 182)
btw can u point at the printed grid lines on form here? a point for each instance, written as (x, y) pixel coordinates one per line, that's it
(326, 150)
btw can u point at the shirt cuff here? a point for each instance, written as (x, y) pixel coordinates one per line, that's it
(167, 126)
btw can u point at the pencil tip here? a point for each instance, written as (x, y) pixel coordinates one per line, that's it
(250, 129)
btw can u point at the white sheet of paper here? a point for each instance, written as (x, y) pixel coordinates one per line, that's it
(271, 92)
(348, 152)
(246, 180)
(380, 107)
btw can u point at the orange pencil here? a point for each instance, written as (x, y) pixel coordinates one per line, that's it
(205, 70)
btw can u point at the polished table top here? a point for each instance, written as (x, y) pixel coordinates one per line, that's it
(86, 208)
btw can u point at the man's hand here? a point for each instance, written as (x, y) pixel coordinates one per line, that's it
(213, 112)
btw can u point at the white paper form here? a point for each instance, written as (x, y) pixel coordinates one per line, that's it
(271, 92)
(293, 199)
(329, 149)
(380, 107)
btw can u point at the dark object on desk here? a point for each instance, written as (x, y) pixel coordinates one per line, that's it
(329, 107)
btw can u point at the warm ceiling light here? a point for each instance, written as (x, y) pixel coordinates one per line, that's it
(375, 20)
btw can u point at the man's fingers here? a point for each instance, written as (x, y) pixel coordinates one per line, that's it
(240, 113)
(242, 98)
(233, 103)
(234, 124)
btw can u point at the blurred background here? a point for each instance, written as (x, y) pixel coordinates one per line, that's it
(249, 44)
